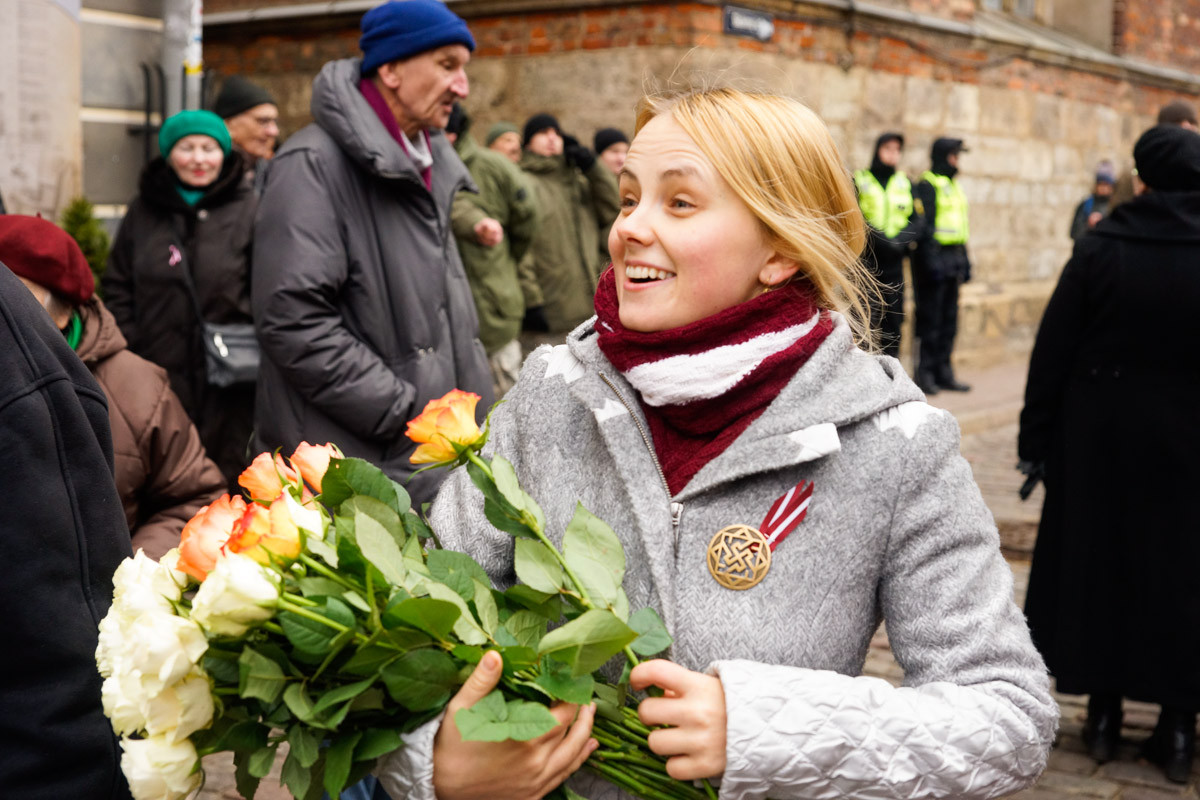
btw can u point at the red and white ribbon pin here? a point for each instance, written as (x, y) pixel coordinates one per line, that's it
(786, 513)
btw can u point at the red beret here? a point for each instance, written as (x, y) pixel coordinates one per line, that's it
(44, 253)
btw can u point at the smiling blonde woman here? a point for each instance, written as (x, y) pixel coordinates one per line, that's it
(778, 490)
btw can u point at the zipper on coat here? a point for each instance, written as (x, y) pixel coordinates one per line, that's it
(676, 507)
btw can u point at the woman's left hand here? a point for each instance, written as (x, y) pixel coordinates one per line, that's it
(693, 706)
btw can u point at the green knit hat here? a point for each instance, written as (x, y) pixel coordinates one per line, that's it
(499, 129)
(186, 123)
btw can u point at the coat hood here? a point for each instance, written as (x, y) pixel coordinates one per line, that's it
(544, 165)
(883, 172)
(102, 337)
(340, 109)
(1156, 216)
(941, 151)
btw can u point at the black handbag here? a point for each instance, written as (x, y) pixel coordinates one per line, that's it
(231, 353)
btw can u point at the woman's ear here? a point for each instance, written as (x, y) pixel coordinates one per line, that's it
(777, 271)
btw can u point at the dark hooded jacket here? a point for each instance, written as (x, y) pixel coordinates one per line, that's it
(145, 289)
(885, 256)
(161, 470)
(362, 307)
(1110, 408)
(62, 536)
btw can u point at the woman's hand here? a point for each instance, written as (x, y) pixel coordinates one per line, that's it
(501, 770)
(694, 707)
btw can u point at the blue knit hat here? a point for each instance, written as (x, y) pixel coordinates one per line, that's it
(399, 29)
(187, 123)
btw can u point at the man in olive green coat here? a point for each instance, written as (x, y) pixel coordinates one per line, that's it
(578, 198)
(494, 229)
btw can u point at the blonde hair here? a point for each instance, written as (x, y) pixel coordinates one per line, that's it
(780, 159)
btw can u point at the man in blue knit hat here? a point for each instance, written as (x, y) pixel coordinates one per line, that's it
(363, 311)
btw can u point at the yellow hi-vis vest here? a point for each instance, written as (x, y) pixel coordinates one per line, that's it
(886, 209)
(950, 226)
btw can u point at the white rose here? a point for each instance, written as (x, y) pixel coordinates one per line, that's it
(237, 594)
(170, 560)
(162, 648)
(109, 644)
(141, 584)
(159, 770)
(180, 710)
(122, 697)
(309, 520)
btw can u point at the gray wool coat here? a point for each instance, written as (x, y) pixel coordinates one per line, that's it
(361, 304)
(896, 532)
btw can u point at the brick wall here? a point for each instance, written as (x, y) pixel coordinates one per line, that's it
(1163, 32)
(1035, 130)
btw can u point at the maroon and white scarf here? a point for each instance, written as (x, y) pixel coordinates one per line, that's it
(702, 384)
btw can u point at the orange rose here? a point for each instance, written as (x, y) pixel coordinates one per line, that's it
(312, 461)
(266, 475)
(206, 533)
(261, 532)
(445, 428)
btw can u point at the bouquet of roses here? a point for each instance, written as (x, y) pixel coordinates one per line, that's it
(319, 611)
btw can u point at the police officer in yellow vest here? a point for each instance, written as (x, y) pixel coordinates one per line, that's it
(886, 199)
(940, 266)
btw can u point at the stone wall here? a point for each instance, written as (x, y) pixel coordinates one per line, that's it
(1036, 125)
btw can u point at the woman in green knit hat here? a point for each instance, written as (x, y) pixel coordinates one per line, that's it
(182, 257)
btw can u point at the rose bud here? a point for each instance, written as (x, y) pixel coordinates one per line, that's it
(445, 428)
(312, 461)
(266, 476)
(206, 533)
(261, 532)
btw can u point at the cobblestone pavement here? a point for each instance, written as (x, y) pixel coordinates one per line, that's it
(988, 417)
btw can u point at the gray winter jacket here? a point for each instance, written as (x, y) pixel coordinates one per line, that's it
(896, 532)
(362, 307)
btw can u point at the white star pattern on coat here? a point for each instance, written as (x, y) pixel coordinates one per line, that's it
(610, 409)
(906, 416)
(816, 441)
(559, 361)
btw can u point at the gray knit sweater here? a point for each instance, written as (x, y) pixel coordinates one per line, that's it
(896, 531)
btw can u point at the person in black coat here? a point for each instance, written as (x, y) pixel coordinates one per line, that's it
(1110, 421)
(193, 216)
(62, 536)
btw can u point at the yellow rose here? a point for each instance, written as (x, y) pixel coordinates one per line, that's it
(312, 461)
(206, 533)
(445, 428)
(266, 476)
(261, 532)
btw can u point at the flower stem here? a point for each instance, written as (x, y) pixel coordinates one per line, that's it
(317, 566)
(285, 604)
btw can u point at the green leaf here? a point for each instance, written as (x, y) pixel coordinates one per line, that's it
(221, 667)
(341, 694)
(310, 636)
(544, 605)
(322, 550)
(594, 553)
(407, 638)
(652, 633)
(377, 742)
(414, 559)
(620, 606)
(348, 477)
(558, 682)
(518, 657)
(510, 489)
(368, 660)
(261, 761)
(537, 567)
(320, 587)
(494, 720)
(435, 617)
(304, 745)
(465, 627)
(414, 526)
(608, 702)
(421, 680)
(485, 606)
(380, 535)
(504, 518)
(526, 627)
(295, 776)
(338, 759)
(244, 736)
(259, 676)
(247, 784)
(295, 696)
(588, 641)
(456, 570)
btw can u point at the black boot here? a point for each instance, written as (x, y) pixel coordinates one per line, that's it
(1102, 731)
(1173, 743)
(946, 380)
(926, 383)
